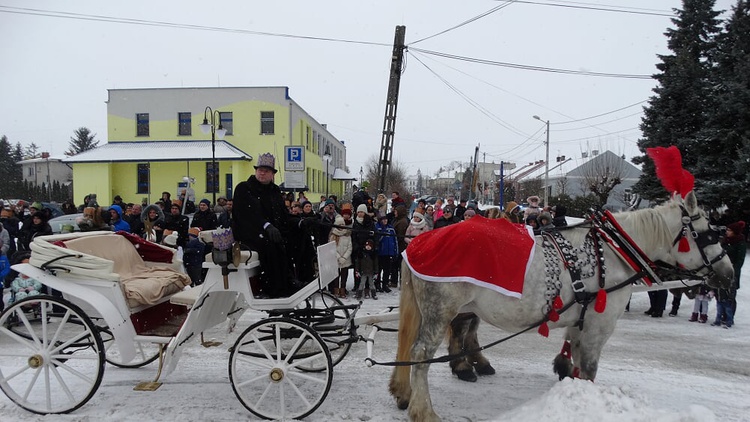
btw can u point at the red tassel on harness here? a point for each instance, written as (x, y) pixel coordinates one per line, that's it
(557, 303)
(601, 301)
(565, 352)
(684, 245)
(553, 316)
(544, 329)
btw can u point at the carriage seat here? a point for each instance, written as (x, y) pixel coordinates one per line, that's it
(246, 257)
(142, 283)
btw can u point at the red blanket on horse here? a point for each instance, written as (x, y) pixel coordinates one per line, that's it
(489, 253)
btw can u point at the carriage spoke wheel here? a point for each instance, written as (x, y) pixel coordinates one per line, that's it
(51, 355)
(335, 328)
(145, 353)
(264, 369)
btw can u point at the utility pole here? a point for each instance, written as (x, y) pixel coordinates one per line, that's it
(391, 105)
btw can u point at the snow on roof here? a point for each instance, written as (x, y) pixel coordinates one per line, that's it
(572, 167)
(341, 174)
(158, 151)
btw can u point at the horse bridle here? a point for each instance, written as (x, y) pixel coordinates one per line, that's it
(702, 240)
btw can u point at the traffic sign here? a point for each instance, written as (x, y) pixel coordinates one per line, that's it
(294, 158)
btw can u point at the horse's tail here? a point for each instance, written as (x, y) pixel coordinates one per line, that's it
(409, 321)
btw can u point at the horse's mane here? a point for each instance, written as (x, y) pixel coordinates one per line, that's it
(648, 225)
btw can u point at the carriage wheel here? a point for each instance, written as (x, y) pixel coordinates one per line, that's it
(335, 331)
(145, 353)
(264, 369)
(51, 355)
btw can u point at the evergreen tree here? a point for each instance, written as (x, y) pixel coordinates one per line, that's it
(7, 168)
(678, 111)
(31, 151)
(721, 175)
(83, 140)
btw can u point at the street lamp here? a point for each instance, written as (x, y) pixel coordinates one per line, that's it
(215, 132)
(361, 175)
(546, 162)
(327, 159)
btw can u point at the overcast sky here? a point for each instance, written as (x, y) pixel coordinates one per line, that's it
(59, 59)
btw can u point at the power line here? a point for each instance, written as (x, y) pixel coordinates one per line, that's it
(529, 67)
(600, 8)
(144, 22)
(600, 115)
(600, 123)
(470, 101)
(468, 21)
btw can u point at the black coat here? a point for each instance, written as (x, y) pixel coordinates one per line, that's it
(255, 205)
(206, 220)
(179, 224)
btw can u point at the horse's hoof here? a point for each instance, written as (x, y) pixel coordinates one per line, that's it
(485, 370)
(402, 404)
(466, 375)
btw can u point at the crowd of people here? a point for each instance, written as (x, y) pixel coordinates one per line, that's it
(369, 233)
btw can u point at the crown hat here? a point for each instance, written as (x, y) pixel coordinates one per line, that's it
(267, 160)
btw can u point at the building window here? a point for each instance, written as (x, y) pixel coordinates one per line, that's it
(266, 122)
(184, 125)
(141, 124)
(31, 170)
(212, 177)
(144, 177)
(225, 120)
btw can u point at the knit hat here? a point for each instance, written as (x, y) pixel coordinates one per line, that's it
(329, 201)
(417, 214)
(36, 205)
(469, 213)
(737, 227)
(362, 208)
(205, 201)
(543, 216)
(268, 161)
(194, 231)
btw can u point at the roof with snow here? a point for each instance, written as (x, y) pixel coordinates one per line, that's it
(576, 167)
(131, 151)
(341, 174)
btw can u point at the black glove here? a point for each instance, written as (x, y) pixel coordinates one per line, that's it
(274, 235)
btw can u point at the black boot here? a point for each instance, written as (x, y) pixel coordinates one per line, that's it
(650, 311)
(657, 314)
(673, 312)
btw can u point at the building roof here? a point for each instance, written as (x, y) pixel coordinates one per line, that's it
(151, 151)
(576, 167)
(39, 160)
(341, 174)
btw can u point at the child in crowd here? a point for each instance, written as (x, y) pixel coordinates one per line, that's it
(193, 256)
(366, 266)
(387, 253)
(23, 286)
(700, 309)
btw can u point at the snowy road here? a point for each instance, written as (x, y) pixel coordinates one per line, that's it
(652, 369)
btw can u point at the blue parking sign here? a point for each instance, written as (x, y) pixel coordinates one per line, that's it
(294, 158)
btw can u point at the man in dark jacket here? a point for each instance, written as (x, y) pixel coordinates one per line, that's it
(177, 223)
(447, 219)
(262, 221)
(204, 218)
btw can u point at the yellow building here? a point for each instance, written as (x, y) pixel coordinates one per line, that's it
(155, 144)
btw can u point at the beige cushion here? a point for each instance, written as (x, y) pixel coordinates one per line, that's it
(142, 285)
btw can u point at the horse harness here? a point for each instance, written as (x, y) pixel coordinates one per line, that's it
(605, 229)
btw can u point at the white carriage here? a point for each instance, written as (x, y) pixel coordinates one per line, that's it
(125, 301)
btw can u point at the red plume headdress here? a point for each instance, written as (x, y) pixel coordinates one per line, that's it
(673, 177)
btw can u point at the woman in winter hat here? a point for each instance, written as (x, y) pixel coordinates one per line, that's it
(533, 206)
(417, 226)
(341, 234)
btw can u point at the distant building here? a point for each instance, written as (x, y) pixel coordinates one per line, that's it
(46, 170)
(155, 140)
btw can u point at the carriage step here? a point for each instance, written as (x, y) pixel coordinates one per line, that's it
(186, 297)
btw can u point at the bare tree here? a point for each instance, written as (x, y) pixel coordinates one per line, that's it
(562, 185)
(395, 180)
(602, 174)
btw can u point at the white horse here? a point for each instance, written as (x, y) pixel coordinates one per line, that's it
(427, 308)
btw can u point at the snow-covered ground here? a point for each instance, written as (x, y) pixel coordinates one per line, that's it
(652, 369)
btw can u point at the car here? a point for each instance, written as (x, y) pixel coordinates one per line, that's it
(54, 209)
(58, 223)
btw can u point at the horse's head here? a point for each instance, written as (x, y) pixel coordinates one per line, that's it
(696, 245)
